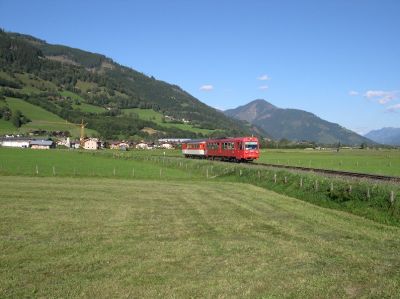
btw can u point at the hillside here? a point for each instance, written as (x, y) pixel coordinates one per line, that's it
(294, 124)
(389, 136)
(76, 84)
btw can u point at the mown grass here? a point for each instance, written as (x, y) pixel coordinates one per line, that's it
(385, 162)
(368, 199)
(63, 163)
(91, 237)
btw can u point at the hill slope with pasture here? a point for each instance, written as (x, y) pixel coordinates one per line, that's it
(294, 124)
(76, 84)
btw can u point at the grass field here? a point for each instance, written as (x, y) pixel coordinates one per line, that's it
(40, 119)
(66, 237)
(29, 162)
(6, 127)
(150, 114)
(385, 162)
(367, 199)
(84, 107)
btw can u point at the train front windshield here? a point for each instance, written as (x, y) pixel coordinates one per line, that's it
(251, 145)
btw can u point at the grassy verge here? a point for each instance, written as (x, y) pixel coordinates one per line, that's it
(93, 237)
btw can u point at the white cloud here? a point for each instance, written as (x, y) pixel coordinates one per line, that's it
(207, 87)
(380, 96)
(263, 87)
(264, 78)
(353, 93)
(393, 108)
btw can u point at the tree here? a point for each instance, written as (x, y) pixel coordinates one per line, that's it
(16, 118)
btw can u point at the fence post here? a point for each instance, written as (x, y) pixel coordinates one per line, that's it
(275, 178)
(285, 180)
(259, 175)
(207, 173)
(391, 198)
(301, 182)
(37, 170)
(54, 170)
(133, 172)
(316, 185)
(160, 172)
(114, 171)
(331, 187)
(350, 189)
(240, 172)
(368, 194)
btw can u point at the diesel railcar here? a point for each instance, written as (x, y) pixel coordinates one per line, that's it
(241, 149)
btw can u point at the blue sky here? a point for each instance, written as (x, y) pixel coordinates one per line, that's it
(337, 59)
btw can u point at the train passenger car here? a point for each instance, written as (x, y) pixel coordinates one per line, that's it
(239, 149)
(194, 148)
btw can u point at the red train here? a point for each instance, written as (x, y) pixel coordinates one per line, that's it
(239, 149)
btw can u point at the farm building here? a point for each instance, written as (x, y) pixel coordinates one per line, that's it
(173, 140)
(24, 142)
(41, 144)
(21, 142)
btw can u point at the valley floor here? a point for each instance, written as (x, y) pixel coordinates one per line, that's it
(96, 237)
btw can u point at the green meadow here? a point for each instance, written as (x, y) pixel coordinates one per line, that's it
(375, 161)
(95, 237)
(143, 224)
(29, 162)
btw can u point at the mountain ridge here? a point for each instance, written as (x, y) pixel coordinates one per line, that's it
(58, 78)
(386, 135)
(294, 124)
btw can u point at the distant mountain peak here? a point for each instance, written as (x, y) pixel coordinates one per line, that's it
(387, 135)
(252, 110)
(294, 124)
(262, 103)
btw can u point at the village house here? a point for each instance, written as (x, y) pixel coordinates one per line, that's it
(119, 145)
(142, 145)
(91, 144)
(166, 146)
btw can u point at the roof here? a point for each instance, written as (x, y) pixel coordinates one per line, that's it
(195, 140)
(15, 139)
(41, 142)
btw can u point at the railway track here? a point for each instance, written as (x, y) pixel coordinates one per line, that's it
(378, 177)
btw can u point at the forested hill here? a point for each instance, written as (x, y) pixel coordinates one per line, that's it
(76, 84)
